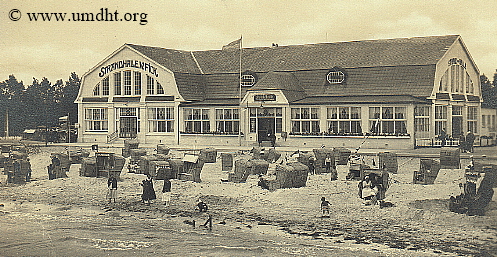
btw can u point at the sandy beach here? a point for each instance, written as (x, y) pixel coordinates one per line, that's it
(247, 220)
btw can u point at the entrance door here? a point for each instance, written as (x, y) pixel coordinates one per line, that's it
(128, 122)
(264, 128)
(456, 126)
(128, 127)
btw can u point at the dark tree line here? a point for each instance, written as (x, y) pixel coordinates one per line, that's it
(489, 91)
(39, 104)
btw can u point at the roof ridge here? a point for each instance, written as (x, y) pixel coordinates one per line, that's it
(337, 42)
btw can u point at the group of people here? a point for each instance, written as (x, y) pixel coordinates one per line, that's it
(148, 192)
(372, 188)
(466, 142)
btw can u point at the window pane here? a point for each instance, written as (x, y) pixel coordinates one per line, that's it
(440, 112)
(374, 112)
(306, 126)
(400, 112)
(305, 113)
(314, 113)
(332, 126)
(374, 126)
(295, 113)
(219, 114)
(206, 126)
(344, 127)
(253, 126)
(227, 114)
(235, 114)
(127, 82)
(96, 90)
(355, 127)
(400, 127)
(105, 86)
(205, 114)
(138, 83)
(355, 112)
(160, 89)
(344, 112)
(150, 85)
(296, 126)
(387, 127)
(332, 113)
(117, 83)
(387, 113)
(315, 126)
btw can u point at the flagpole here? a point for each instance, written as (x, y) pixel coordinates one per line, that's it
(240, 94)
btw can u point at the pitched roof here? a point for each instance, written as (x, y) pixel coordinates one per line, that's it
(353, 54)
(174, 60)
(368, 53)
(402, 66)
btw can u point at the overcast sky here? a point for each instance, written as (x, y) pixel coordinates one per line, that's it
(55, 49)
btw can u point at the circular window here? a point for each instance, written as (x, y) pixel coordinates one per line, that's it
(335, 77)
(248, 80)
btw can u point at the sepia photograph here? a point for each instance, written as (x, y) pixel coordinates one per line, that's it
(248, 128)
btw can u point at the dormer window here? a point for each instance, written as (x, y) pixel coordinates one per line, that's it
(248, 80)
(335, 77)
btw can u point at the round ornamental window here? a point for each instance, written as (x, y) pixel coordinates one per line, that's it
(335, 77)
(248, 80)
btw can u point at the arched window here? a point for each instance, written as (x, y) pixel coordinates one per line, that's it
(105, 86)
(456, 79)
(160, 89)
(96, 90)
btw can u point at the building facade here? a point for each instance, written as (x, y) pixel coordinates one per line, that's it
(393, 93)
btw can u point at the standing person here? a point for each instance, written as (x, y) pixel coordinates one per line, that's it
(148, 190)
(330, 169)
(272, 138)
(50, 171)
(166, 192)
(462, 143)
(112, 189)
(325, 207)
(470, 140)
(312, 161)
(443, 137)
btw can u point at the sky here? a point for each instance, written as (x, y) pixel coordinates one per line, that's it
(54, 49)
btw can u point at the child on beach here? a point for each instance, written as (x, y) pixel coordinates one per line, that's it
(325, 206)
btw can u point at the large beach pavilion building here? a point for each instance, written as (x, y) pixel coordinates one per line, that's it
(392, 93)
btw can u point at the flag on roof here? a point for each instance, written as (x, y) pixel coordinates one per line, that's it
(63, 118)
(237, 44)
